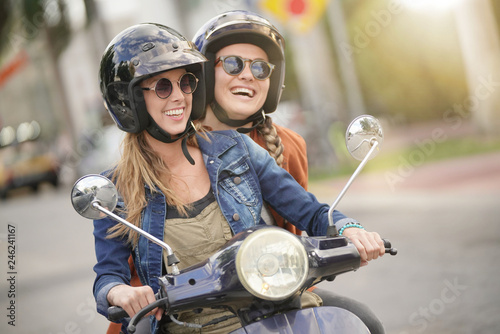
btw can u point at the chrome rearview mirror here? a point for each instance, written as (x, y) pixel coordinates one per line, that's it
(95, 197)
(93, 189)
(364, 136)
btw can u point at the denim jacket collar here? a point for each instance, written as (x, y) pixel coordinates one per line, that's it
(218, 142)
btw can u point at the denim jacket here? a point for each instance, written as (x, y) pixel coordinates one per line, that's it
(242, 176)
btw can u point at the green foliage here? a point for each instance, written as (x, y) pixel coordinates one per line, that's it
(5, 23)
(449, 149)
(51, 16)
(22, 21)
(496, 10)
(409, 64)
(33, 10)
(291, 90)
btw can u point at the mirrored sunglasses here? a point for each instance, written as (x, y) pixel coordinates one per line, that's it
(163, 87)
(234, 65)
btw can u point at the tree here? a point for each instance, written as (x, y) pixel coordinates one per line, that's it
(5, 22)
(30, 20)
(23, 21)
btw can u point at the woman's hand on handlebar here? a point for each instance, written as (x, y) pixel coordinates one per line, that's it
(133, 299)
(369, 244)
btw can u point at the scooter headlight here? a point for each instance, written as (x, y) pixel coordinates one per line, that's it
(272, 264)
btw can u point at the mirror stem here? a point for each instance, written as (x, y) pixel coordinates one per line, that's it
(374, 144)
(97, 206)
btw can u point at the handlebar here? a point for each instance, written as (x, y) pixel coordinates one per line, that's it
(115, 313)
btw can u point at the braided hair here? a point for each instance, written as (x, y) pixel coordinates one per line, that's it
(273, 142)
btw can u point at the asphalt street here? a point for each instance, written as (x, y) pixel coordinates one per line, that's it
(442, 217)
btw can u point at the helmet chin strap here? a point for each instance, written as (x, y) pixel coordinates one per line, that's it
(159, 134)
(258, 118)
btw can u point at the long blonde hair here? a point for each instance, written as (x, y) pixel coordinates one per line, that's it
(138, 166)
(273, 142)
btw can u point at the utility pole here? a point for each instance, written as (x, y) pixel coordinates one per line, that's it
(347, 65)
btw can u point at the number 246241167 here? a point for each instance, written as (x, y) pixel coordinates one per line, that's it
(11, 247)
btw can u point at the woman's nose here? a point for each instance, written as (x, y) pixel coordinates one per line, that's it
(177, 94)
(246, 74)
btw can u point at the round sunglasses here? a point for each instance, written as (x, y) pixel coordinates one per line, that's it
(163, 87)
(234, 65)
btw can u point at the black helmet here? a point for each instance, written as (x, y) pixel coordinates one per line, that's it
(140, 52)
(240, 26)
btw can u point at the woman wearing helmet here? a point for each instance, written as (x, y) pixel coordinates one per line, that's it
(176, 183)
(150, 81)
(244, 79)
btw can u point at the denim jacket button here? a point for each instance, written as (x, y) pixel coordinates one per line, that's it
(237, 180)
(236, 217)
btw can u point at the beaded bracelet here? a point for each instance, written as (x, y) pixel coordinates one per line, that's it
(350, 225)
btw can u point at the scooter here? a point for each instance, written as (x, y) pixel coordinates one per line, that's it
(260, 274)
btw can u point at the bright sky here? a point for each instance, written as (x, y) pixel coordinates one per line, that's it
(430, 5)
(117, 8)
(110, 9)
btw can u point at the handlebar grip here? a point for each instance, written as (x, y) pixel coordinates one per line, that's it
(116, 313)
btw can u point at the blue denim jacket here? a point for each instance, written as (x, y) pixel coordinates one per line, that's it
(242, 176)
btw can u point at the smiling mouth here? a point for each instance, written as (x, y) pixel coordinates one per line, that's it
(174, 112)
(243, 92)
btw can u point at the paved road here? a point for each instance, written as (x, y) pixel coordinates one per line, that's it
(443, 218)
(54, 259)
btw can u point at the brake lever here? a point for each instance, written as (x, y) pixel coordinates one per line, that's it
(115, 313)
(139, 315)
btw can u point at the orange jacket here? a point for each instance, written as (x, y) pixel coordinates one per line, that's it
(295, 162)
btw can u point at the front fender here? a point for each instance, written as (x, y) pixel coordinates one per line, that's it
(317, 320)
